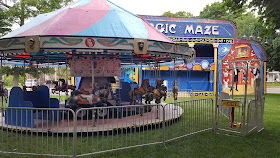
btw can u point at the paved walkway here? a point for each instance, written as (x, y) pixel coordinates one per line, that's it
(275, 90)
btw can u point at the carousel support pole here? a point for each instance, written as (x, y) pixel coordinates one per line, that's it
(174, 97)
(92, 73)
(157, 77)
(23, 71)
(49, 83)
(140, 72)
(92, 80)
(216, 77)
(59, 90)
(66, 76)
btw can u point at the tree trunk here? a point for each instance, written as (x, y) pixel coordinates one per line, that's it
(16, 77)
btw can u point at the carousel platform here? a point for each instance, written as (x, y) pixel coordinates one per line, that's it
(137, 121)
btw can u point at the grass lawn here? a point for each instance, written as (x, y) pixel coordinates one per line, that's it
(210, 144)
(272, 84)
(206, 144)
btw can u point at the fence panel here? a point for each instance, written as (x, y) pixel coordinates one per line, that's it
(60, 132)
(105, 129)
(252, 116)
(229, 119)
(36, 131)
(189, 117)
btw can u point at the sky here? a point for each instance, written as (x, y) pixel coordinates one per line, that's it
(158, 7)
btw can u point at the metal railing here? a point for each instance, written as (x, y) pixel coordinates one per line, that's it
(60, 132)
(231, 120)
(36, 131)
(255, 115)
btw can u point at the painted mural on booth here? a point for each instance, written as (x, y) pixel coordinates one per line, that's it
(234, 68)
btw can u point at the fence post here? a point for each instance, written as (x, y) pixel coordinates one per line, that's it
(74, 135)
(163, 125)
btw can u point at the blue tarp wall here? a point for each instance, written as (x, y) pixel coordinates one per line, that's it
(194, 80)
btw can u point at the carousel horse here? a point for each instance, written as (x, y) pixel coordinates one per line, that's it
(4, 93)
(62, 86)
(149, 96)
(175, 90)
(134, 93)
(157, 92)
(160, 91)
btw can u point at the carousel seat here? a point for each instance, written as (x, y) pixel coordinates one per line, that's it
(38, 99)
(123, 93)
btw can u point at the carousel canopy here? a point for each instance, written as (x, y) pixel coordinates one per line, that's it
(89, 27)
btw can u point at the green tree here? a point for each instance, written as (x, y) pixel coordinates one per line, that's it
(22, 10)
(218, 10)
(62, 72)
(269, 10)
(272, 50)
(246, 22)
(178, 14)
(5, 24)
(33, 71)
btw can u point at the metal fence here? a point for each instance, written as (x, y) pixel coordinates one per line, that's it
(65, 133)
(233, 120)
(36, 131)
(255, 115)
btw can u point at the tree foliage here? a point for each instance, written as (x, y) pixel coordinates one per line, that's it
(33, 71)
(269, 10)
(5, 24)
(22, 10)
(273, 53)
(218, 10)
(247, 23)
(178, 14)
(63, 72)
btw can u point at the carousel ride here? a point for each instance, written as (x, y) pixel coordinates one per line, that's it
(96, 50)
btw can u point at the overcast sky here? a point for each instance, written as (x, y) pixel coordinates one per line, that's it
(158, 7)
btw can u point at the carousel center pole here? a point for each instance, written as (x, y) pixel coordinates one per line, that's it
(92, 82)
(92, 73)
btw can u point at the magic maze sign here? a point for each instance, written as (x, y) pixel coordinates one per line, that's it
(186, 30)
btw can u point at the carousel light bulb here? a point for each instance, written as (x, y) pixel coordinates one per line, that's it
(244, 36)
(251, 36)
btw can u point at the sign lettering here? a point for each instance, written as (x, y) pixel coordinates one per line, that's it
(230, 103)
(184, 30)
